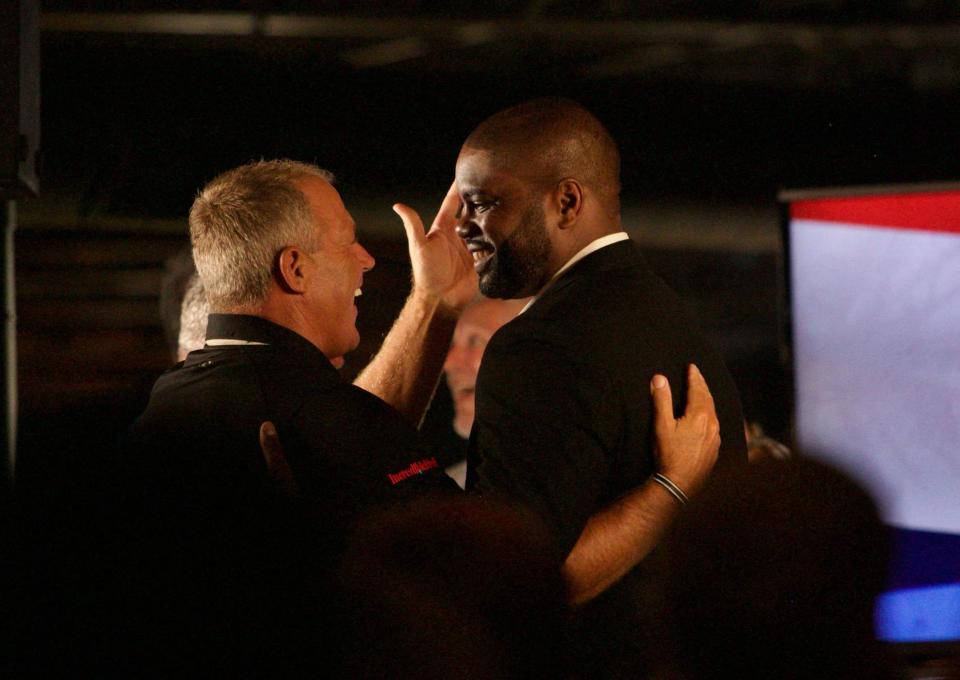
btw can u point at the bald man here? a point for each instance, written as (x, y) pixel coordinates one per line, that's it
(563, 410)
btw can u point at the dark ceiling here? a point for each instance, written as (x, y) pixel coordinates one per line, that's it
(144, 101)
(830, 11)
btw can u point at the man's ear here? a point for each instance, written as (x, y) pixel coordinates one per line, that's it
(569, 198)
(291, 270)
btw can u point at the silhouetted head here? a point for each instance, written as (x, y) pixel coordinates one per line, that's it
(456, 587)
(773, 573)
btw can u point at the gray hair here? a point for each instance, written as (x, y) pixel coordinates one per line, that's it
(241, 220)
(193, 317)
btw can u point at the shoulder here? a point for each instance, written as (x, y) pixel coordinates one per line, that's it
(336, 407)
(528, 339)
(588, 313)
(531, 361)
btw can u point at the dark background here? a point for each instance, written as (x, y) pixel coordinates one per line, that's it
(716, 105)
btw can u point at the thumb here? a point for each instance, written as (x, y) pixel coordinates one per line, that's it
(662, 402)
(276, 461)
(411, 223)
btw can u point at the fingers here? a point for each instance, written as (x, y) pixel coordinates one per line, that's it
(447, 214)
(662, 403)
(270, 446)
(276, 461)
(700, 407)
(446, 219)
(411, 223)
(698, 393)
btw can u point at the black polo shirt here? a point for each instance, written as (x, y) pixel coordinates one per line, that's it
(218, 572)
(349, 450)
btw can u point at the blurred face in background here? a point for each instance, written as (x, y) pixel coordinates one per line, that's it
(476, 326)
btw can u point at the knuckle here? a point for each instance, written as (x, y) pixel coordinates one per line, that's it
(700, 421)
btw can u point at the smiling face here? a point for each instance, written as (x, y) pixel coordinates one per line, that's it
(461, 367)
(336, 269)
(504, 226)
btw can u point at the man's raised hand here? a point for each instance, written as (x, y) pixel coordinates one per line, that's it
(442, 266)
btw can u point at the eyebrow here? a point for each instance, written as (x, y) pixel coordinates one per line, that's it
(474, 193)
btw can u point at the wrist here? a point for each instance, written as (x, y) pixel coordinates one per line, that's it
(433, 304)
(670, 486)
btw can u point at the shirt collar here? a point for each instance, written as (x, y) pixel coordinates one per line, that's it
(229, 342)
(226, 330)
(242, 330)
(591, 247)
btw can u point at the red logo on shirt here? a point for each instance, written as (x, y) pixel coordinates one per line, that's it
(417, 468)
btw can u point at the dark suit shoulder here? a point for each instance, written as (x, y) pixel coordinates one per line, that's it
(607, 313)
(614, 316)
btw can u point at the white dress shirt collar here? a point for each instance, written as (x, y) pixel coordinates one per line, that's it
(591, 247)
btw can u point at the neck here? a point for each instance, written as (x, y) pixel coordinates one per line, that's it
(279, 309)
(579, 238)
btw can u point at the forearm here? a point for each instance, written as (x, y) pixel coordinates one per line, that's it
(406, 370)
(616, 539)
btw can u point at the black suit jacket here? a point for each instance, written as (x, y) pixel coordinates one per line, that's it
(564, 414)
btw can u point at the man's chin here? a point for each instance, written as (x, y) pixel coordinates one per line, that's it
(339, 361)
(492, 286)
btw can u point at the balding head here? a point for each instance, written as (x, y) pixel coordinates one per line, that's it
(550, 139)
(538, 183)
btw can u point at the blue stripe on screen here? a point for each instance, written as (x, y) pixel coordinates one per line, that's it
(919, 615)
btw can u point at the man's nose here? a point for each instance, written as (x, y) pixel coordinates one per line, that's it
(454, 358)
(366, 259)
(466, 228)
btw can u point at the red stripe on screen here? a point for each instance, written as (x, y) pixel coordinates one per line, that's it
(938, 211)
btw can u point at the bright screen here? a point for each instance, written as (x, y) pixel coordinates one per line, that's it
(875, 297)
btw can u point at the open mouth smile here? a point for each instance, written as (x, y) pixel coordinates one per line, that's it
(481, 253)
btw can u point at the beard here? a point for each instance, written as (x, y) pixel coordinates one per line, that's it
(518, 268)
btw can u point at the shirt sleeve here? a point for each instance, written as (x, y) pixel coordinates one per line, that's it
(543, 434)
